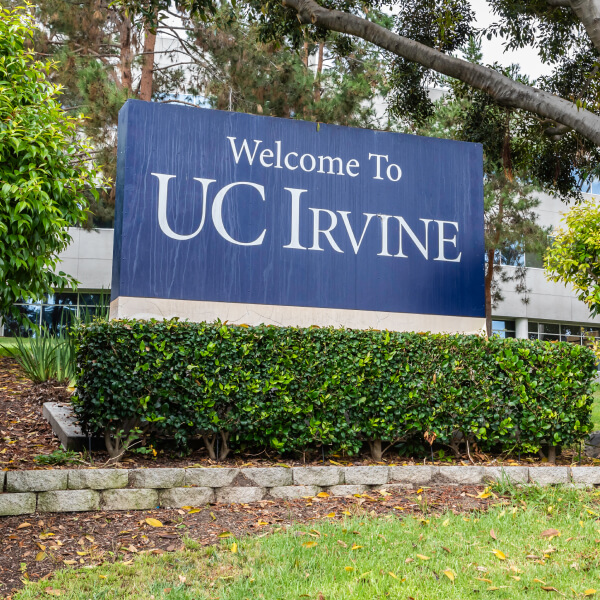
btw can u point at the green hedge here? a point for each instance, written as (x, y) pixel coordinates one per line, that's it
(296, 389)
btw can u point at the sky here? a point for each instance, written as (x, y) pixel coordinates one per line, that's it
(493, 49)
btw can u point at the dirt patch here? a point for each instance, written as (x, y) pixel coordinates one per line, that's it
(34, 546)
(49, 391)
(24, 433)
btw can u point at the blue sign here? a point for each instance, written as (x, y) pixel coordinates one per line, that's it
(229, 207)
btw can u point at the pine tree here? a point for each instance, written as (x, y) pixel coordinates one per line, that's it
(318, 84)
(97, 47)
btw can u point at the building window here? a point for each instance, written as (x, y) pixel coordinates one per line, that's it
(54, 312)
(534, 260)
(511, 255)
(575, 334)
(503, 329)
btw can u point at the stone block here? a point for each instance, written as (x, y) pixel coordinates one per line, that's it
(414, 475)
(157, 478)
(36, 481)
(68, 501)
(216, 478)
(366, 475)
(2, 480)
(347, 490)
(318, 475)
(548, 475)
(512, 474)
(294, 492)
(17, 504)
(393, 487)
(268, 477)
(592, 445)
(98, 479)
(178, 497)
(129, 499)
(586, 475)
(471, 475)
(240, 495)
(65, 426)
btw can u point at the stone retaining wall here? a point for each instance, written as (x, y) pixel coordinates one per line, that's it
(69, 490)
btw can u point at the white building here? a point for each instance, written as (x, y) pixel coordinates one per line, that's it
(552, 313)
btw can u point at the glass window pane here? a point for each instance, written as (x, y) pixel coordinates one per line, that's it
(570, 333)
(533, 336)
(69, 299)
(503, 329)
(534, 260)
(533, 327)
(56, 318)
(551, 328)
(89, 299)
(549, 337)
(12, 327)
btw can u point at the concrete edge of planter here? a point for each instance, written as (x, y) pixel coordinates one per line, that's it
(25, 492)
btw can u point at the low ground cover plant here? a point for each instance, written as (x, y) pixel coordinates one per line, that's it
(47, 356)
(293, 389)
(537, 544)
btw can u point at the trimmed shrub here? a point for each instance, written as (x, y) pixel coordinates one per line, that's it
(295, 389)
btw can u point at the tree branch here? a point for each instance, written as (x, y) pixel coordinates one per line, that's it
(175, 65)
(588, 12)
(502, 89)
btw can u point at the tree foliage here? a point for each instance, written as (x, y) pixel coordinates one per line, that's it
(574, 257)
(104, 55)
(46, 171)
(510, 187)
(266, 78)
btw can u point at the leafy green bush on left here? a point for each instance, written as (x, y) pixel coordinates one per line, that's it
(46, 170)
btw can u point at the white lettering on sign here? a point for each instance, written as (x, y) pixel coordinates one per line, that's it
(217, 213)
(163, 186)
(393, 171)
(329, 165)
(295, 234)
(326, 231)
(423, 248)
(443, 240)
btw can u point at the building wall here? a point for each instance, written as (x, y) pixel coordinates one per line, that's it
(89, 258)
(548, 301)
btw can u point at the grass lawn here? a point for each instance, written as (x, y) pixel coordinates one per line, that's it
(596, 411)
(507, 552)
(6, 342)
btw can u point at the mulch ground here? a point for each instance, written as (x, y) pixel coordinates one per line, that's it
(24, 433)
(34, 546)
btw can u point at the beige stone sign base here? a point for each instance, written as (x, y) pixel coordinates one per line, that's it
(127, 307)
